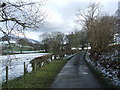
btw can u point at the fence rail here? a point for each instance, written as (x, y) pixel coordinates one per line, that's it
(36, 63)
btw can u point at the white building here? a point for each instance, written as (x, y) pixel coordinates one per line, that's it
(117, 36)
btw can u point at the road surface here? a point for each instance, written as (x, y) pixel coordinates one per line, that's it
(76, 74)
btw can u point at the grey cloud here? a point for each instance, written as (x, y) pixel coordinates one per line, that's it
(67, 12)
(51, 27)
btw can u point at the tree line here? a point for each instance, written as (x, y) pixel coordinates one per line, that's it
(60, 44)
(97, 30)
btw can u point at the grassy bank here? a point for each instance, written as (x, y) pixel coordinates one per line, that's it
(43, 78)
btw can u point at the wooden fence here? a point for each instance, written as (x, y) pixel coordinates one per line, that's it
(36, 63)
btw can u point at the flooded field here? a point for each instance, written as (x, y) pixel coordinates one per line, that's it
(16, 64)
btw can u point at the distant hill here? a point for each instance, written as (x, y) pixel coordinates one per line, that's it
(16, 38)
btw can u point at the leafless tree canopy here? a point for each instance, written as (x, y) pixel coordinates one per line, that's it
(18, 15)
(99, 27)
(54, 42)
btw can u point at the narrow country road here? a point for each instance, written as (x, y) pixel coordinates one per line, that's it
(76, 74)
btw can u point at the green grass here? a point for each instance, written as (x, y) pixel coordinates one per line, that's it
(43, 77)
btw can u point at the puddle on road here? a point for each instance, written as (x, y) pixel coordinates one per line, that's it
(84, 73)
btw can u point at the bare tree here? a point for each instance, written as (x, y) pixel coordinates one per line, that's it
(58, 40)
(16, 16)
(19, 15)
(99, 28)
(102, 33)
(86, 18)
(46, 40)
(54, 43)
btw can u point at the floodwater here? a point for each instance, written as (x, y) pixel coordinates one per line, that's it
(16, 64)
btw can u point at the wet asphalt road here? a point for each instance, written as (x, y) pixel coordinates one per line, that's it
(76, 74)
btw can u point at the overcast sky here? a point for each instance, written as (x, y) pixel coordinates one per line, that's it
(61, 14)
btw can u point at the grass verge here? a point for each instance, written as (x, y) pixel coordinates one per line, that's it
(43, 78)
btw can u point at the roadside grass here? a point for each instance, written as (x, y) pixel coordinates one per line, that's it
(43, 77)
